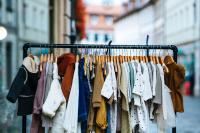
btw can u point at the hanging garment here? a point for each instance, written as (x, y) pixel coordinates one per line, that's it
(173, 80)
(96, 98)
(98, 101)
(154, 83)
(133, 64)
(24, 87)
(165, 114)
(128, 81)
(101, 117)
(66, 68)
(36, 125)
(150, 70)
(113, 106)
(147, 94)
(108, 129)
(139, 114)
(70, 123)
(107, 89)
(90, 120)
(98, 85)
(84, 97)
(125, 123)
(158, 97)
(49, 78)
(131, 75)
(46, 121)
(118, 80)
(153, 78)
(53, 106)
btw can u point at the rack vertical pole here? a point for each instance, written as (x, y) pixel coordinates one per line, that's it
(25, 49)
(147, 43)
(175, 56)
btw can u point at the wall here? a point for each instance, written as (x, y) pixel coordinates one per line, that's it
(134, 28)
(183, 29)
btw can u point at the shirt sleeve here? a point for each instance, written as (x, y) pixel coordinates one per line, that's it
(17, 85)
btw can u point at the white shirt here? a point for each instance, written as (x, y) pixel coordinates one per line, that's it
(154, 79)
(147, 94)
(166, 116)
(70, 123)
(55, 104)
(139, 114)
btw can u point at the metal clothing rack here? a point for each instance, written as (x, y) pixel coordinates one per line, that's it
(99, 46)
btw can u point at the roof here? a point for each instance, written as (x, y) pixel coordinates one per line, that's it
(135, 10)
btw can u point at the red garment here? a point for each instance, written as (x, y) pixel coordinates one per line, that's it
(66, 64)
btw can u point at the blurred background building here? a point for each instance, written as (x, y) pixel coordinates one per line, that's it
(88, 21)
(99, 21)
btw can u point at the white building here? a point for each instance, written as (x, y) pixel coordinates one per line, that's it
(33, 22)
(133, 26)
(8, 46)
(183, 29)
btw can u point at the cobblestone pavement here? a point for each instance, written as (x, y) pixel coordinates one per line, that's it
(189, 121)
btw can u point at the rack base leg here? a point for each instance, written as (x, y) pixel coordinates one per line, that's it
(24, 124)
(174, 130)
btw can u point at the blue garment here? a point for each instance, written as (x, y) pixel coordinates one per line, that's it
(84, 97)
(108, 129)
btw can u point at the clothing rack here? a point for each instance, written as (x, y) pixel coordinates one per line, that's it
(99, 46)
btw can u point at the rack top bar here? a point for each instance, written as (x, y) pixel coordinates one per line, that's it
(99, 46)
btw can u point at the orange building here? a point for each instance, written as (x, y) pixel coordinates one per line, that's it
(99, 22)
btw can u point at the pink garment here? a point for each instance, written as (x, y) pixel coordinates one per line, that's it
(36, 125)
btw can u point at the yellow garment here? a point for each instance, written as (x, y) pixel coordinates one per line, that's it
(101, 118)
(98, 85)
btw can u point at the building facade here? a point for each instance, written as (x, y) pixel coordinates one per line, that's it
(25, 21)
(140, 18)
(8, 46)
(60, 23)
(9, 59)
(99, 22)
(33, 22)
(183, 29)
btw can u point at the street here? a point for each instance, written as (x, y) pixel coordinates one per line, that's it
(189, 121)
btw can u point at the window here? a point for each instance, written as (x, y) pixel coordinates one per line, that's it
(94, 19)
(106, 37)
(96, 37)
(9, 63)
(34, 18)
(109, 20)
(0, 3)
(194, 12)
(107, 2)
(9, 5)
(42, 17)
(24, 12)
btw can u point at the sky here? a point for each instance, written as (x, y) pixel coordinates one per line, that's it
(100, 1)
